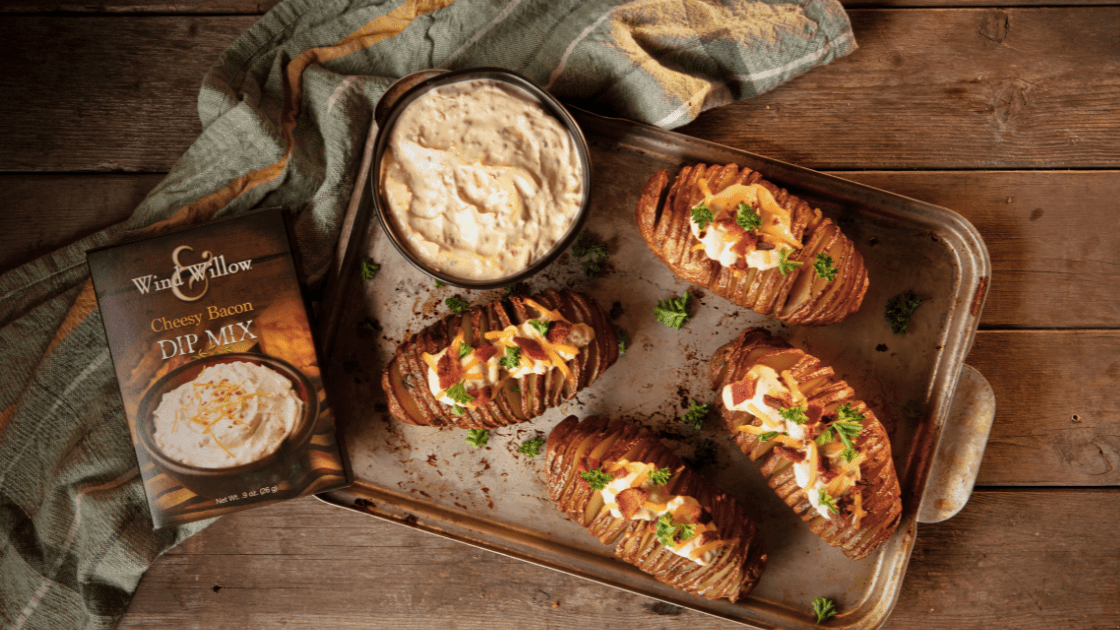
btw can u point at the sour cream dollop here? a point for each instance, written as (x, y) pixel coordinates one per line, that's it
(480, 181)
(230, 414)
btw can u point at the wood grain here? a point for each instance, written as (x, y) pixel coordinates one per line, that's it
(1057, 406)
(1004, 561)
(105, 93)
(946, 89)
(990, 88)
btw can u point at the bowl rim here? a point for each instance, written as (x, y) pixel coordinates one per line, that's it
(550, 104)
(296, 439)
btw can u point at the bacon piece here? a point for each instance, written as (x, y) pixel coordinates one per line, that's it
(485, 352)
(558, 332)
(745, 244)
(743, 390)
(532, 348)
(481, 396)
(814, 411)
(828, 475)
(448, 370)
(630, 501)
(783, 401)
(688, 514)
(789, 453)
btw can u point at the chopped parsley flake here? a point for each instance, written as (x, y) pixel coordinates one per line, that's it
(795, 415)
(695, 414)
(541, 327)
(660, 476)
(512, 358)
(369, 269)
(464, 350)
(702, 215)
(596, 479)
(785, 265)
(440, 283)
(457, 304)
(747, 218)
(478, 437)
(531, 447)
(828, 501)
(769, 435)
(458, 393)
(457, 410)
(825, 267)
(586, 245)
(623, 338)
(669, 532)
(674, 311)
(899, 310)
(823, 609)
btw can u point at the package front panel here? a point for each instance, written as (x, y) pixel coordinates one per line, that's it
(217, 368)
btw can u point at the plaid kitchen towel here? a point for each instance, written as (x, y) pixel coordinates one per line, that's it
(285, 114)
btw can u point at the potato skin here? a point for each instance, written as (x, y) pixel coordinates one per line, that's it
(879, 485)
(799, 298)
(731, 575)
(405, 378)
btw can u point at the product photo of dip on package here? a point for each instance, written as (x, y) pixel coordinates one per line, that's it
(218, 369)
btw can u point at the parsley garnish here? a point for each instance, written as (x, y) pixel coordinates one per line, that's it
(668, 532)
(541, 327)
(825, 268)
(823, 608)
(769, 435)
(660, 476)
(440, 283)
(785, 265)
(464, 350)
(458, 393)
(457, 410)
(828, 501)
(848, 425)
(899, 310)
(585, 245)
(702, 215)
(795, 415)
(747, 218)
(478, 437)
(623, 338)
(515, 389)
(674, 311)
(596, 479)
(456, 304)
(512, 358)
(369, 269)
(531, 447)
(695, 414)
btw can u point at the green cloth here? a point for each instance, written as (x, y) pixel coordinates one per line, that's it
(76, 533)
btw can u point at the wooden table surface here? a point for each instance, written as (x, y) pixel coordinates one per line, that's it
(1009, 115)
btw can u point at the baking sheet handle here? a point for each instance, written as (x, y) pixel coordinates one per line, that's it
(963, 438)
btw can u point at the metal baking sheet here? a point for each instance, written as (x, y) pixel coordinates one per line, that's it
(496, 499)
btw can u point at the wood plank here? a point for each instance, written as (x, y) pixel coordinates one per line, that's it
(961, 88)
(1055, 244)
(1053, 239)
(43, 212)
(1057, 407)
(105, 93)
(1003, 562)
(946, 89)
(206, 7)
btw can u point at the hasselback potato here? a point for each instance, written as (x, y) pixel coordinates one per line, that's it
(500, 363)
(823, 451)
(727, 229)
(662, 517)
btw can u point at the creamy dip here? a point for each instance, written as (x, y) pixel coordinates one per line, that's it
(480, 181)
(231, 414)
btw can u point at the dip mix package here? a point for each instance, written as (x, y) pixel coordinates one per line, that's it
(217, 367)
